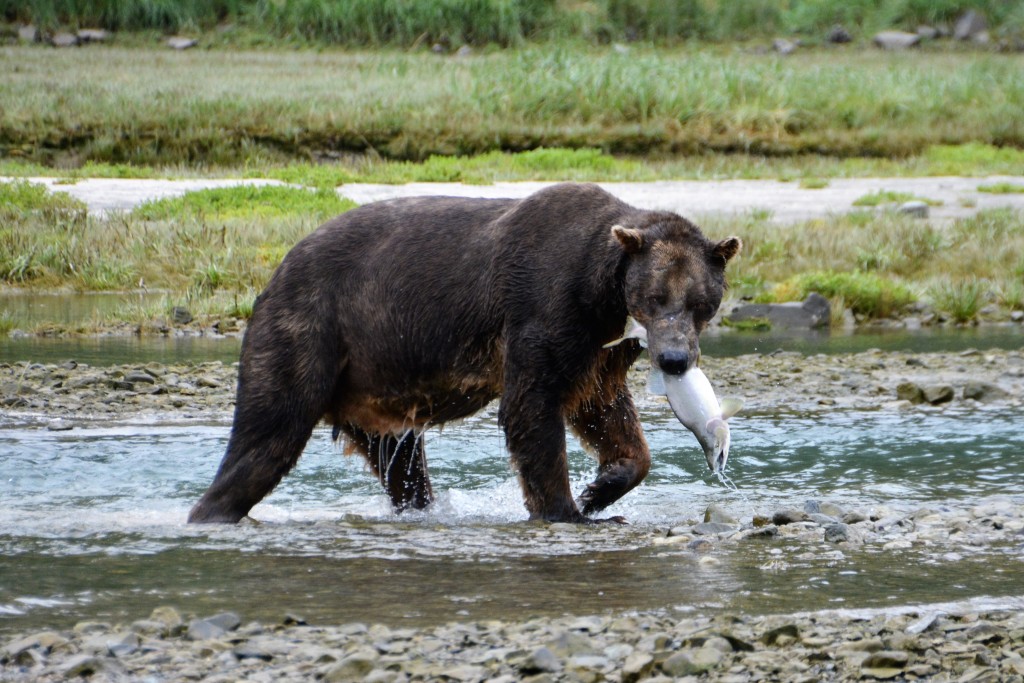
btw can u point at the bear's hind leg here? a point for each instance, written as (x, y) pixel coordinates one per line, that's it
(283, 392)
(400, 463)
(260, 452)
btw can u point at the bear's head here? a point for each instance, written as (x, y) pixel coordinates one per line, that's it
(675, 279)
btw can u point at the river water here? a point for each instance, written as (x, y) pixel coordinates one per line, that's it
(92, 526)
(92, 520)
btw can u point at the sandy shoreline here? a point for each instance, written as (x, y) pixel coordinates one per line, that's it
(954, 197)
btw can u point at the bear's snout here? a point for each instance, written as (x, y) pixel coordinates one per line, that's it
(674, 362)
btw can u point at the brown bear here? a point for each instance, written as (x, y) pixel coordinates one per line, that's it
(404, 314)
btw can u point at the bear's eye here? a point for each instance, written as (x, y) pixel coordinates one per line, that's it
(658, 299)
(703, 311)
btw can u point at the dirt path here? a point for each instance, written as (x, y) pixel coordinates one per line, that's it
(787, 201)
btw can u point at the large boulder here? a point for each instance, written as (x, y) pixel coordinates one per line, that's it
(813, 312)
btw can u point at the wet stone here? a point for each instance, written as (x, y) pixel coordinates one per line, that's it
(788, 516)
(885, 663)
(355, 667)
(637, 665)
(713, 528)
(984, 392)
(81, 666)
(541, 660)
(821, 519)
(717, 514)
(854, 517)
(763, 532)
(937, 394)
(249, 651)
(775, 635)
(908, 391)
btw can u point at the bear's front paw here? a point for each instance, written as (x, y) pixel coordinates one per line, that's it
(607, 489)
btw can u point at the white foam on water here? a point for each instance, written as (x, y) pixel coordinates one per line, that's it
(983, 603)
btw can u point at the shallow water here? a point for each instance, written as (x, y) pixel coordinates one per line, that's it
(92, 526)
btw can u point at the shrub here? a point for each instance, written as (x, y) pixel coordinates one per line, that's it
(865, 294)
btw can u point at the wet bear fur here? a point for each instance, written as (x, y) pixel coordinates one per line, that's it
(405, 314)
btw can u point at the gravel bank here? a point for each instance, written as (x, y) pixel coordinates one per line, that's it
(61, 396)
(952, 643)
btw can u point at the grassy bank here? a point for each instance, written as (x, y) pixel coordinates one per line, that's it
(505, 22)
(256, 109)
(212, 251)
(584, 165)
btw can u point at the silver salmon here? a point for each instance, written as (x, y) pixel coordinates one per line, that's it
(694, 403)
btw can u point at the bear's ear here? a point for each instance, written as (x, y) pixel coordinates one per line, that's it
(727, 248)
(632, 240)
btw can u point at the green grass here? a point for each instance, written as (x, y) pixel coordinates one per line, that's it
(749, 325)
(882, 197)
(1011, 295)
(273, 108)
(20, 197)
(214, 250)
(866, 256)
(205, 242)
(1001, 188)
(8, 323)
(246, 202)
(961, 299)
(866, 294)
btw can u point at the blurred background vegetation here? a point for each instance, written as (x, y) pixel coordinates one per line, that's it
(508, 22)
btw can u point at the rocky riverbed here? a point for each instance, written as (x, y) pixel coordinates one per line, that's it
(946, 643)
(981, 640)
(62, 395)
